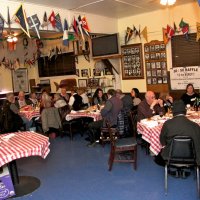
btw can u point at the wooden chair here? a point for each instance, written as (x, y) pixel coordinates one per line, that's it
(182, 155)
(122, 150)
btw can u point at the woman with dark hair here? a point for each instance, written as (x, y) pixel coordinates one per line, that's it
(136, 97)
(190, 96)
(99, 97)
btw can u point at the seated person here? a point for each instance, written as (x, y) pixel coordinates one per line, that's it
(21, 102)
(109, 112)
(149, 106)
(179, 125)
(190, 96)
(167, 100)
(59, 101)
(33, 98)
(10, 120)
(136, 99)
(63, 94)
(126, 99)
(44, 97)
(98, 97)
(84, 96)
(75, 101)
(51, 122)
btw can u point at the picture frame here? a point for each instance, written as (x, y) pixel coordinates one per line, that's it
(20, 80)
(108, 72)
(93, 82)
(82, 83)
(84, 72)
(96, 72)
(132, 65)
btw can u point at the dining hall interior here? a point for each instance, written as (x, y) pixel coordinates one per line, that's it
(93, 94)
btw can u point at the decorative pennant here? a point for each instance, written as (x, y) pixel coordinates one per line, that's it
(34, 23)
(65, 33)
(85, 26)
(80, 27)
(170, 31)
(58, 24)
(45, 21)
(52, 19)
(129, 33)
(75, 26)
(21, 20)
(184, 28)
(198, 31)
(165, 37)
(144, 33)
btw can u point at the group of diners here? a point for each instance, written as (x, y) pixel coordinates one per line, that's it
(179, 125)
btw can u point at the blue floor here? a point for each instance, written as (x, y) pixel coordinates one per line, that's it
(75, 172)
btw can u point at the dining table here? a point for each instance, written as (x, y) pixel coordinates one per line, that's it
(96, 115)
(150, 129)
(16, 145)
(30, 112)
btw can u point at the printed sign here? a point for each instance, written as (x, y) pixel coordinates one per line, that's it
(181, 76)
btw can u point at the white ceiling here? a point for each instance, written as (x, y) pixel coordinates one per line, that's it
(109, 8)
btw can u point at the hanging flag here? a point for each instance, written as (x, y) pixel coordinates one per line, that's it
(85, 26)
(135, 31)
(170, 31)
(184, 28)
(75, 26)
(52, 19)
(139, 34)
(198, 31)
(144, 33)
(34, 23)
(21, 20)
(65, 33)
(58, 22)
(45, 21)
(1, 25)
(199, 2)
(165, 37)
(129, 33)
(80, 27)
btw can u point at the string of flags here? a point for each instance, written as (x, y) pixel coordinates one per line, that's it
(79, 25)
(134, 33)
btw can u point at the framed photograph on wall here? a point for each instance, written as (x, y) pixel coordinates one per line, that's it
(132, 66)
(93, 82)
(96, 72)
(20, 80)
(82, 82)
(84, 73)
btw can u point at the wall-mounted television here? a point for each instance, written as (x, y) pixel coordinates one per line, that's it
(58, 65)
(106, 45)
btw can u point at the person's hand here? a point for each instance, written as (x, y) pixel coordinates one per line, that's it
(160, 102)
(169, 98)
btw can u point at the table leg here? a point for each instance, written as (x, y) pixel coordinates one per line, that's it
(23, 184)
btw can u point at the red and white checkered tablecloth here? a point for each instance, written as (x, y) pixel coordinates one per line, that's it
(152, 134)
(30, 114)
(22, 144)
(95, 115)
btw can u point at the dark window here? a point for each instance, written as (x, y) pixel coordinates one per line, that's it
(62, 64)
(185, 52)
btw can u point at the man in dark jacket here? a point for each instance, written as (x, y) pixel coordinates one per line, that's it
(110, 112)
(179, 125)
(75, 101)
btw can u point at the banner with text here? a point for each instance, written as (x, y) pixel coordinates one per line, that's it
(181, 76)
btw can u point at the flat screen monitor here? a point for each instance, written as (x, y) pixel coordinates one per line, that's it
(58, 65)
(105, 45)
